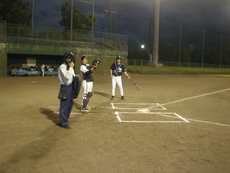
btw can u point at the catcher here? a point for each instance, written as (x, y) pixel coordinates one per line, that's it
(86, 71)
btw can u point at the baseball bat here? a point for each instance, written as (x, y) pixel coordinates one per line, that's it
(135, 85)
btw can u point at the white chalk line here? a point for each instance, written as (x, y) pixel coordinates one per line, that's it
(187, 120)
(155, 106)
(152, 113)
(72, 113)
(207, 122)
(202, 95)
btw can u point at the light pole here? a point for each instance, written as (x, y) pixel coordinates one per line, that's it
(142, 52)
(156, 32)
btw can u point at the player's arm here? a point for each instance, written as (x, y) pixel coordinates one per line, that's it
(87, 70)
(126, 74)
(111, 73)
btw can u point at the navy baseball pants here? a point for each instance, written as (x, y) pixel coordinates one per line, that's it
(66, 106)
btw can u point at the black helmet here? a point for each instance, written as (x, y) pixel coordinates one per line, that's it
(119, 57)
(84, 57)
(69, 55)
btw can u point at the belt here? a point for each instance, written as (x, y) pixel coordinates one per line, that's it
(66, 85)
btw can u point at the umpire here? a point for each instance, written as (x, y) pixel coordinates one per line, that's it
(66, 75)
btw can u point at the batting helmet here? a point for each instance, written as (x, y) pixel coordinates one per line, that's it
(119, 57)
(84, 57)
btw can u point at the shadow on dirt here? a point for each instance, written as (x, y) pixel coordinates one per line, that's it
(102, 94)
(50, 115)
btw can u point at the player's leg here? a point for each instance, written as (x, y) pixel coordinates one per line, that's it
(113, 86)
(66, 107)
(84, 87)
(119, 83)
(89, 92)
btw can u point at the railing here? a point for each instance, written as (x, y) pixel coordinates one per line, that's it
(15, 32)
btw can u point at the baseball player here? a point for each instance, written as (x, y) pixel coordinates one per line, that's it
(65, 76)
(43, 69)
(116, 70)
(87, 83)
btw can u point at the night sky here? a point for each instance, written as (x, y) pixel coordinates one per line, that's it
(132, 17)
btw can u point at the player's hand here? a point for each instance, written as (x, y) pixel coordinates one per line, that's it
(71, 64)
(128, 77)
(95, 66)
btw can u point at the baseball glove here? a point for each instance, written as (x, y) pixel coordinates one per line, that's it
(96, 62)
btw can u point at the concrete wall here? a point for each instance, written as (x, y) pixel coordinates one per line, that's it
(3, 64)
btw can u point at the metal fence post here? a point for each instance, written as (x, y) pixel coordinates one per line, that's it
(180, 44)
(203, 47)
(221, 47)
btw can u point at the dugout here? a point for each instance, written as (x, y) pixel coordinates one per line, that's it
(25, 56)
(34, 61)
(24, 48)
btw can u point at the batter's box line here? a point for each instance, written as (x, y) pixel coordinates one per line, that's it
(155, 106)
(118, 116)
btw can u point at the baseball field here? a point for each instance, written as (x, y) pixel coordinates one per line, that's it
(173, 124)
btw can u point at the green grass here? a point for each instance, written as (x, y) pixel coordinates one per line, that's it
(176, 70)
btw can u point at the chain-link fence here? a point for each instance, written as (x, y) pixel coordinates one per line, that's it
(23, 33)
(181, 44)
(145, 67)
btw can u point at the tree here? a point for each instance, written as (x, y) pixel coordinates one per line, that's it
(225, 60)
(15, 12)
(138, 54)
(188, 53)
(80, 21)
(167, 52)
(211, 56)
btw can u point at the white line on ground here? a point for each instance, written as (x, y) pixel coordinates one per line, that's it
(181, 118)
(152, 121)
(73, 113)
(202, 95)
(113, 107)
(219, 124)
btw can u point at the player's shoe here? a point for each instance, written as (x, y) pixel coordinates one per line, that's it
(122, 98)
(85, 109)
(112, 97)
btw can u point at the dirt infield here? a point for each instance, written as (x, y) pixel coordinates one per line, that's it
(175, 123)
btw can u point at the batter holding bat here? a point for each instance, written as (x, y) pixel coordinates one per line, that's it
(116, 71)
